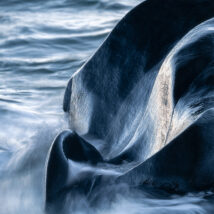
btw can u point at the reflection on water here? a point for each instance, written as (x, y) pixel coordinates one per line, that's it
(42, 43)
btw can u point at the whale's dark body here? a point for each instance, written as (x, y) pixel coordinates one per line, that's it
(142, 107)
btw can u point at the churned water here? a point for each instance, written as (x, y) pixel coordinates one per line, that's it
(42, 43)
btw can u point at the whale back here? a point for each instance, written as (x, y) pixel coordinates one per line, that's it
(140, 109)
(122, 100)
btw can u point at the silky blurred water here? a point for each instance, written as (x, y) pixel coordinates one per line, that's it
(42, 43)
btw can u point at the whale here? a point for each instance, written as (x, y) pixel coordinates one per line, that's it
(141, 109)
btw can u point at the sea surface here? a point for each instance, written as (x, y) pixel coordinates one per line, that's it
(42, 43)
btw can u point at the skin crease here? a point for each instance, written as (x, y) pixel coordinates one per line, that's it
(141, 108)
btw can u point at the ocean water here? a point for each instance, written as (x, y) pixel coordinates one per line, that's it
(42, 43)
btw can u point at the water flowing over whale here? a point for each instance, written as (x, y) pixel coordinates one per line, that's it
(141, 110)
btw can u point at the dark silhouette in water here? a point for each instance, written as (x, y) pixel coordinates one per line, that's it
(141, 109)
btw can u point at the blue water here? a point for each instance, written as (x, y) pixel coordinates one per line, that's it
(42, 43)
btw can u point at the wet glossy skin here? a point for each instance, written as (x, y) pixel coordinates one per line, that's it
(143, 105)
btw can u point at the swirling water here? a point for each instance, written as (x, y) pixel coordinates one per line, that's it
(42, 43)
